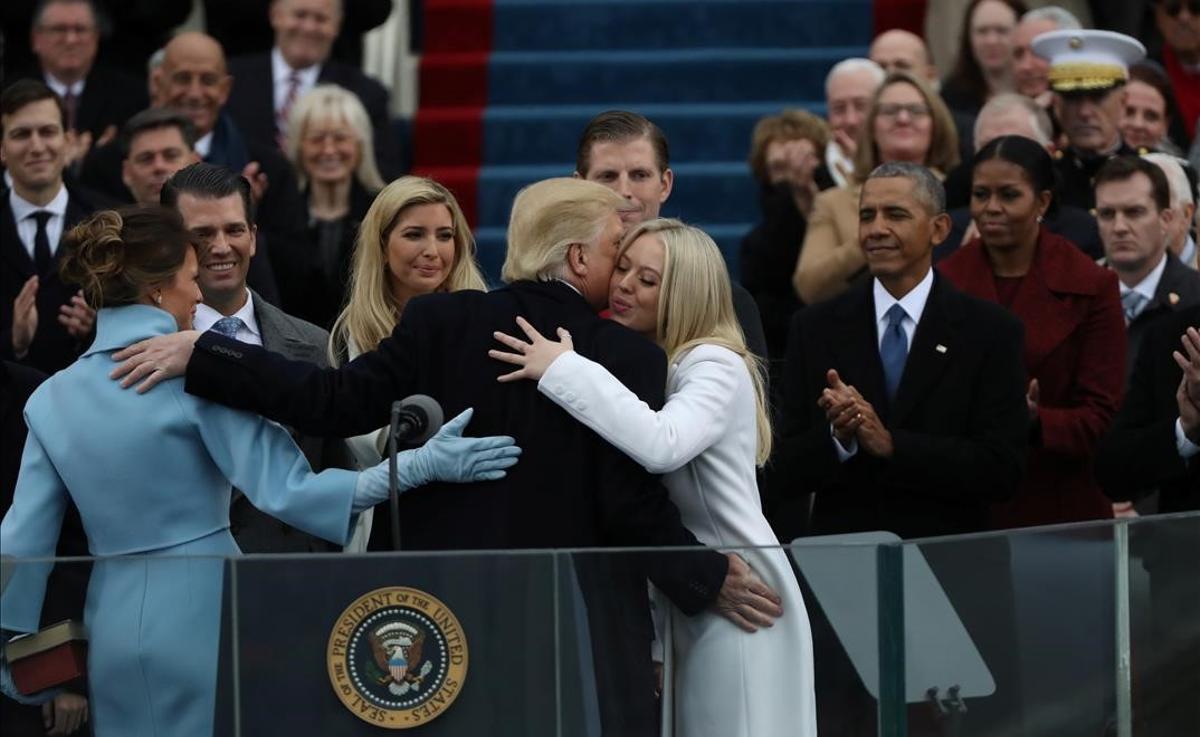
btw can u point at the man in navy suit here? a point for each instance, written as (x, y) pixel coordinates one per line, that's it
(904, 410)
(916, 436)
(269, 84)
(43, 322)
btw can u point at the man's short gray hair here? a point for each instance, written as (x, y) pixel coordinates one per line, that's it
(855, 64)
(926, 187)
(1063, 19)
(1043, 128)
(1177, 178)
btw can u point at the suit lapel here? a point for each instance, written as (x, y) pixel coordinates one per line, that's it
(854, 345)
(15, 255)
(1175, 287)
(279, 336)
(933, 346)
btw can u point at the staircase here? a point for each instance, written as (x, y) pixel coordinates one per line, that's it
(506, 87)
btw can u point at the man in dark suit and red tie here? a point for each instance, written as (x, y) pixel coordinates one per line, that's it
(269, 84)
(43, 322)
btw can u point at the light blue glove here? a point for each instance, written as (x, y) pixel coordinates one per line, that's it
(447, 456)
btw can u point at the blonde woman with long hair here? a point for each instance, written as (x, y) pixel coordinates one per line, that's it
(671, 285)
(413, 240)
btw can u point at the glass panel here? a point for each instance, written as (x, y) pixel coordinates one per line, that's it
(152, 646)
(1164, 592)
(1014, 630)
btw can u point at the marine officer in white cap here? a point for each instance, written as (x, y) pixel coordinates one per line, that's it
(1088, 70)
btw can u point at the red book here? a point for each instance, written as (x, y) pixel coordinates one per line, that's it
(51, 657)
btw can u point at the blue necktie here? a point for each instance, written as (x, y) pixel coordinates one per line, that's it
(1133, 303)
(227, 326)
(893, 349)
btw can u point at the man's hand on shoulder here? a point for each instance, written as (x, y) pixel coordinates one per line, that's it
(154, 360)
(744, 599)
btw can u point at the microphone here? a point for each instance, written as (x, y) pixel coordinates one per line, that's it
(414, 420)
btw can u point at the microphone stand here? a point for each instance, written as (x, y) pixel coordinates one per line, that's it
(393, 475)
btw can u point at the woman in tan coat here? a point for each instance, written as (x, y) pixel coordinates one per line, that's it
(907, 122)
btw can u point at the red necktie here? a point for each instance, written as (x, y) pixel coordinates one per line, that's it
(281, 118)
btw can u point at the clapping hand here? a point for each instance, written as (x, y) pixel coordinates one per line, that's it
(25, 317)
(853, 417)
(1187, 396)
(77, 317)
(533, 357)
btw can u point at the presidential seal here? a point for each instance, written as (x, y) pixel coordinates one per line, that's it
(397, 657)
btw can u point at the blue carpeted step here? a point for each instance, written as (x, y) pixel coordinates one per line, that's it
(667, 24)
(491, 243)
(680, 76)
(537, 134)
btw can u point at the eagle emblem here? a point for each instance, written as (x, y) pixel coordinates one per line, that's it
(396, 651)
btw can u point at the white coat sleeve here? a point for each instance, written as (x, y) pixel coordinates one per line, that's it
(693, 418)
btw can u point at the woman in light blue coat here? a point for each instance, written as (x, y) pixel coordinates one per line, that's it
(151, 475)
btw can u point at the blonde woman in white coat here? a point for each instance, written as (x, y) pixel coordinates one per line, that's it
(670, 284)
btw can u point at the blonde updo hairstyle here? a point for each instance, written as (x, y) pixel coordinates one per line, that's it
(695, 306)
(116, 256)
(371, 311)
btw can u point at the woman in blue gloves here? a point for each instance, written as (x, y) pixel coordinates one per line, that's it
(151, 475)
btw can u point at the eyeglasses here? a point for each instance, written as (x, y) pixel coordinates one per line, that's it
(64, 30)
(1175, 7)
(892, 110)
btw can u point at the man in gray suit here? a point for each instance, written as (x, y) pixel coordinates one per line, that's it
(216, 206)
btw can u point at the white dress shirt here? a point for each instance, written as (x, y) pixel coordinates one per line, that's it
(913, 305)
(836, 161)
(281, 74)
(22, 211)
(249, 331)
(1186, 447)
(1149, 285)
(62, 88)
(204, 145)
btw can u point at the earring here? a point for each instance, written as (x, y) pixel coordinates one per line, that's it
(158, 298)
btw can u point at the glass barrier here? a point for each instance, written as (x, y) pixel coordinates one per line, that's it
(1163, 573)
(1076, 630)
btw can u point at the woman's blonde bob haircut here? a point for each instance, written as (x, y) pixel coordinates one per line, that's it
(327, 103)
(943, 154)
(372, 311)
(695, 306)
(547, 218)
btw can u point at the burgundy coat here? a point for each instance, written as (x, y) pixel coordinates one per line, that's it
(1075, 348)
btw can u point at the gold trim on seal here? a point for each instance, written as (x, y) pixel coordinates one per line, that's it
(451, 670)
